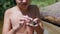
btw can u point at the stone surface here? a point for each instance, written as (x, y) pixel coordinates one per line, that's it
(52, 10)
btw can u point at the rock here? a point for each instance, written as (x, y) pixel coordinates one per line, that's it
(52, 10)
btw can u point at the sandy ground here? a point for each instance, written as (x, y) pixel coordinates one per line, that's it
(48, 28)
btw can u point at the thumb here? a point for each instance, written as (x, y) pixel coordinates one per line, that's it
(35, 19)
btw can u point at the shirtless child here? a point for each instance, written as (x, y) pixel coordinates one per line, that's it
(18, 19)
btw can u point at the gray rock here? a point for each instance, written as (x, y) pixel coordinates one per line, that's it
(52, 10)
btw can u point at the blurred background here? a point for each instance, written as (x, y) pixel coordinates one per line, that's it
(5, 4)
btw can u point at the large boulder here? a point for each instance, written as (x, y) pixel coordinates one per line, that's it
(53, 11)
